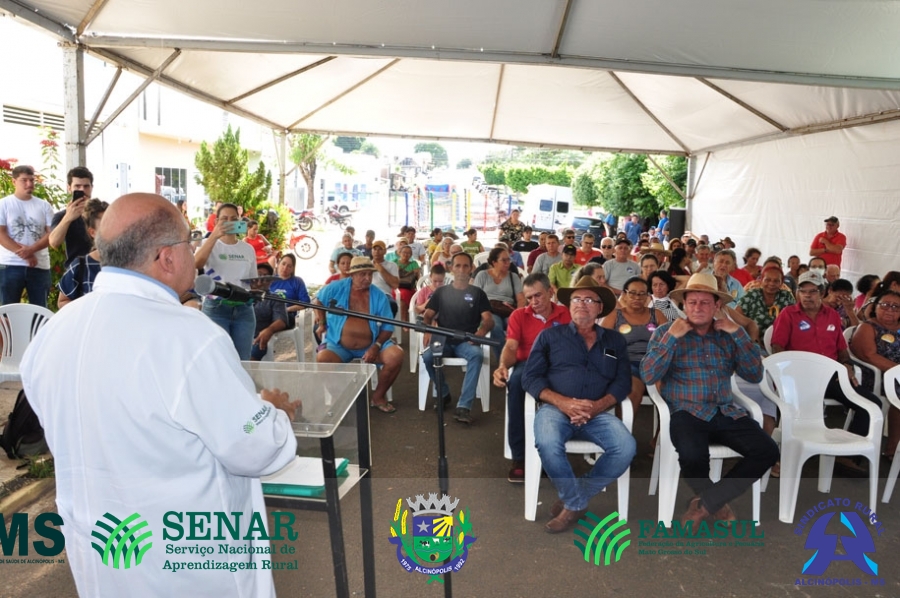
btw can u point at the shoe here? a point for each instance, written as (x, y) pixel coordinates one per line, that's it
(556, 508)
(447, 401)
(724, 514)
(564, 521)
(776, 470)
(696, 512)
(463, 416)
(517, 473)
(855, 467)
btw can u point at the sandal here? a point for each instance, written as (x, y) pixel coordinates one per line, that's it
(383, 407)
(776, 470)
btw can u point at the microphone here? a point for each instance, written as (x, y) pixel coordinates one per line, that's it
(206, 285)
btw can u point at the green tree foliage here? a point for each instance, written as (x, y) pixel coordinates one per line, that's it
(493, 174)
(224, 175)
(437, 151)
(307, 154)
(583, 190)
(463, 164)
(370, 148)
(519, 176)
(618, 182)
(349, 144)
(278, 234)
(657, 185)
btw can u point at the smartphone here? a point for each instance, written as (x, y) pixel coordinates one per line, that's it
(239, 227)
(77, 194)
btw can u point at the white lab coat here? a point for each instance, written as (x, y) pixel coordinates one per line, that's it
(144, 405)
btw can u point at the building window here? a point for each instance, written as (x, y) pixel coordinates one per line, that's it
(171, 183)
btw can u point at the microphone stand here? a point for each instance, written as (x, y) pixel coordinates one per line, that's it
(439, 337)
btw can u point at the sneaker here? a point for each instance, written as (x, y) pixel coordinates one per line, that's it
(463, 416)
(448, 400)
(517, 473)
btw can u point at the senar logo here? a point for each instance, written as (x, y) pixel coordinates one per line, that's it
(606, 537)
(119, 543)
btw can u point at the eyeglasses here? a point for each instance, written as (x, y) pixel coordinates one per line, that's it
(169, 245)
(585, 300)
(889, 306)
(606, 246)
(636, 293)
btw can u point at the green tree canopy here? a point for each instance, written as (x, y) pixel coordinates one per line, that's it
(224, 175)
(369, 148)
(463, 164)
(349, 144)
(437, 151)
(657, 185)
(619, 185)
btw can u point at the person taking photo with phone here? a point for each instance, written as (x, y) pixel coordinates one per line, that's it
(227, 259)
(68, 225)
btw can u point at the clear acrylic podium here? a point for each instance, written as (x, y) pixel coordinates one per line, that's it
(329, 393)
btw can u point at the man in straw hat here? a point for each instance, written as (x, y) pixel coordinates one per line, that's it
(694, 359)
(578, 372)
(348, 338)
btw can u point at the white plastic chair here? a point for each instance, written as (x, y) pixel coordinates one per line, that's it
(876, 373)
(800, 378)
(413, 336)
(482, 389)
(890, 392)
(19, 322)
(590, 450)
(507, 451)
(666, 469)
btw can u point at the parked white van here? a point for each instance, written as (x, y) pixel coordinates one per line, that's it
(547, 207)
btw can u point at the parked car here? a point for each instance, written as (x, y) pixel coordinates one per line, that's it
(586, 224)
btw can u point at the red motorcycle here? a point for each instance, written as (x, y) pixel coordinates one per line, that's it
(305, 219)
(304, 246)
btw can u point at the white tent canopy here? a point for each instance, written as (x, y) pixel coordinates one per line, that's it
(739, 79)
(684, 76)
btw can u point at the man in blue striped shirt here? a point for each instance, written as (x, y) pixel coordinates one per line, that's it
(578, 372)
(694, 359)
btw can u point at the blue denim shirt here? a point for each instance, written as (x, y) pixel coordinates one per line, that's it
(561, 361)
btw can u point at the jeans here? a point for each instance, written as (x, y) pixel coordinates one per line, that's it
(239, 322)
(499, 332)
(860, 423)
(15, 279)
(472, 354)
(515, 411)
(692, 437)
(552, 429)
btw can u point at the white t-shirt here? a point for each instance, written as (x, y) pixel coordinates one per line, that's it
(378, 280)
(26, 221)
(231, 263)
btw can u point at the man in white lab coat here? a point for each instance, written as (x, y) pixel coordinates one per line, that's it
(147, 410)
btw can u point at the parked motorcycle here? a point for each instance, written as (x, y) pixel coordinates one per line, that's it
(304, 246)
(339, 218)
(305, 220)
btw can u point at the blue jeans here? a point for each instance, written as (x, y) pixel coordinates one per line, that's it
(472, 354)
(552, 429)
(15, 279)
(499, 332)
(515, 411)
(239, 322)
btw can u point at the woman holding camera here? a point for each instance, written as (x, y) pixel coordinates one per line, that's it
(227, 259)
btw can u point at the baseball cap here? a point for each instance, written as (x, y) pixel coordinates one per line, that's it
(813, 277)
(570, 249)
(832, 220)
(622, 240)
(379, 244)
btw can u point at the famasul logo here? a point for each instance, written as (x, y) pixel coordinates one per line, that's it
(605, 537)
(120, 545)
(429, 541)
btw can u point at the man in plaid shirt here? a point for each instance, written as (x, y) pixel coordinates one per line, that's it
(694, 359)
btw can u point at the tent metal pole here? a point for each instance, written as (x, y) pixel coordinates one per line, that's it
(193, 92)
(153, 77)
(667, 177)
(280, 79)
(743, 104)
(497, 99)
(35, 18)
(103, 100)
(562, 29)
(73, 97)
(92, 13)
(351, 89)
(647, 111)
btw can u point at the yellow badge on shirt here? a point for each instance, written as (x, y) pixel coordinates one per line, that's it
(888, 338)
(625, 328)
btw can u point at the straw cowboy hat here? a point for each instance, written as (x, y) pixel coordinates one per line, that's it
(361, 264)
(605, 295)
(701, 281)
(655, 248)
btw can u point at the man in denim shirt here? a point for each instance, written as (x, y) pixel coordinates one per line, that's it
(578, 372)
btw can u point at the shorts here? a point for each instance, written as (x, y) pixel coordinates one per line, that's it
(636, 369)
(348, 355)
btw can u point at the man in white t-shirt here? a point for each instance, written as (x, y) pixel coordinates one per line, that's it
(24, 236)
(386, 276)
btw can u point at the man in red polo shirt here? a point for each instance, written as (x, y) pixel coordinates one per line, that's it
(812, 326)
(523, 328)
(586, 252)
(829, 245)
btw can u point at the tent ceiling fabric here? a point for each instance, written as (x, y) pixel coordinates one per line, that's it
(682, 76)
